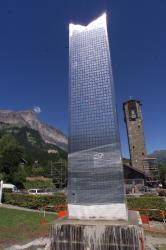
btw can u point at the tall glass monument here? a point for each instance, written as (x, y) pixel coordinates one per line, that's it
(95, 178)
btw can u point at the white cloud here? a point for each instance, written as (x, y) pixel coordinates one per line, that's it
(37, 109)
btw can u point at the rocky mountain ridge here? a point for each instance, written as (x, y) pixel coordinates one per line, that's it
(29, 119)
(160, 155)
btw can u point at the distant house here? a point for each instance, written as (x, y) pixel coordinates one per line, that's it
(135, 177)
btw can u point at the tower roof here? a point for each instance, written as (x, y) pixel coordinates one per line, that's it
(131, 101)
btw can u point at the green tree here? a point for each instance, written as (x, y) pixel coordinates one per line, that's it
(10, 156)
(19, 177)
(162, 172)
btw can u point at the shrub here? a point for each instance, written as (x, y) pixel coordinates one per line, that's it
(153, 202)
(162, 192)
(39, 183)
(34, 201)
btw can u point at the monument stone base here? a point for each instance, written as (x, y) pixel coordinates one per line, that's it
(98, 212)
(73, 234)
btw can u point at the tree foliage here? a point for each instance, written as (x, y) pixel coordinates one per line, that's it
(24, 145)
(11, 154)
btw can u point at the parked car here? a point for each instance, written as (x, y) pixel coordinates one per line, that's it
(148, 190)
(10, 187)
(36, 191)
(143, 191)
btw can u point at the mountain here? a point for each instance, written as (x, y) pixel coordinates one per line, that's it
(160, 155)
(29, 119)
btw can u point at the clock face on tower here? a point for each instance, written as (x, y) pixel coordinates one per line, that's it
(132, 109)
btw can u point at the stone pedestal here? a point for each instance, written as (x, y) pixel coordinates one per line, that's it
(109, 212)
(97, 235)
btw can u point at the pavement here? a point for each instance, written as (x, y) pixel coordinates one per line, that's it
(152, 243)
(37, 244)
(24, 208)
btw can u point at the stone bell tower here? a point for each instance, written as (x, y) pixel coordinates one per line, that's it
(135, 131)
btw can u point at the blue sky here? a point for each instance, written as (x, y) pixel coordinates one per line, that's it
(34, 58)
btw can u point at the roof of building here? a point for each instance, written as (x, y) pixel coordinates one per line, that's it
(136, 170)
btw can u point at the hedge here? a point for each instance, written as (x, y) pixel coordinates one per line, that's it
(152, 202)
(39, 201)
(29, 184)
(34, 201)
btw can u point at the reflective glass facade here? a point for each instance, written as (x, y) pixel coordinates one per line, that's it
(95, 165)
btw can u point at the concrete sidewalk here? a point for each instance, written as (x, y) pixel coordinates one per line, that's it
(24, 209)
(37, 244)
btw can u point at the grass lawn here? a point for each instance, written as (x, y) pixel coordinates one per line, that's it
(17, 226)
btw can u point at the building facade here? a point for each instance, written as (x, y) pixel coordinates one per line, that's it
(95, 175)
